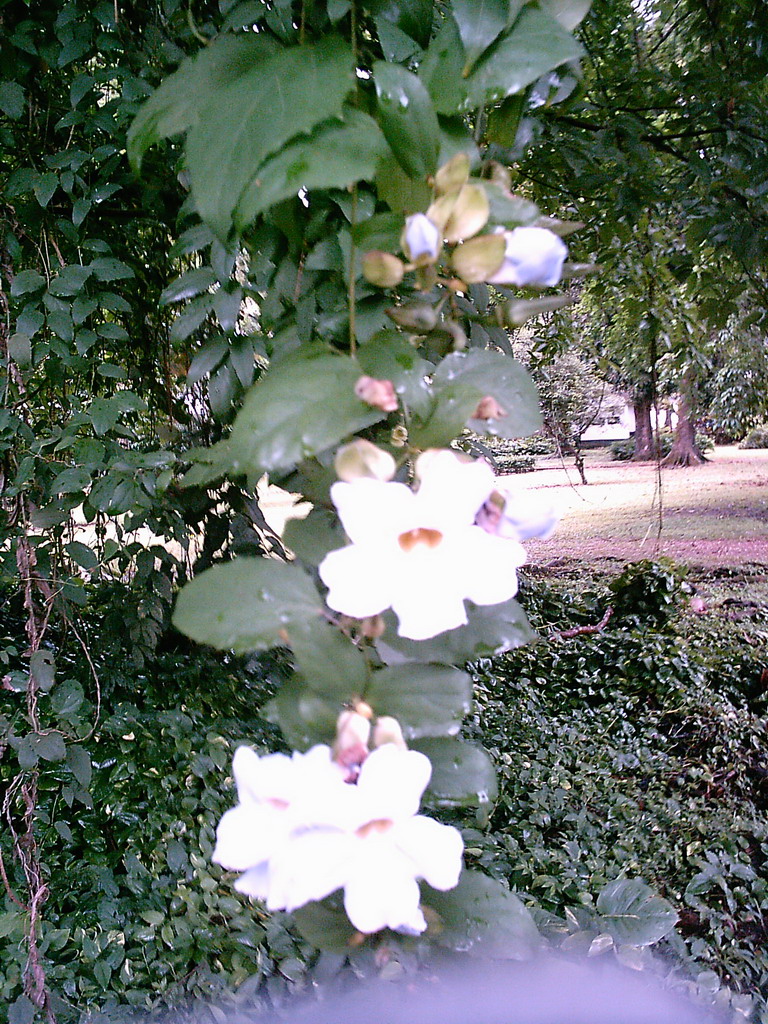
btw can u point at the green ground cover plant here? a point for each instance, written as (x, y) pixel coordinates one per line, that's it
(630, 753)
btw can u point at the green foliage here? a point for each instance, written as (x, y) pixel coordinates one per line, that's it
(756, 438)
(630, 757)
(647, 593)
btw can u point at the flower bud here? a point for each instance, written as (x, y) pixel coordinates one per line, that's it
(382, 269)
(499, 175)
(350, 749)
(517, 515)
(416, 316)
(362, 460)
(477, 259)
(399, 437)
(462, 214)
(532, 256)
(378, 393)
(372, 627)
(387, 730)
(452, 175)
(420, 239)
(488, 409)
(458, 337)
(516, 313)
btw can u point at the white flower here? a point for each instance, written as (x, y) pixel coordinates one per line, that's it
(299, 833)
(376, 852)
(420, 553)
(518, 514)
(533, 256)
(421, 237)
(274, 792)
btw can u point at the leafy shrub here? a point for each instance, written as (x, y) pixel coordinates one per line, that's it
(508, 455)
(622, 451)
(756, 438)
(631, 752)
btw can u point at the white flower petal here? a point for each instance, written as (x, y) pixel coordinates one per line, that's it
(360, 580)
(422, 237)
(248, 834)
(452, 491)
(370, 508)
(381, 893)
(311, 866)
(422, 616)
(486, 570)
(435, 850)
(391, 782)
(533, 256)
(255, 881)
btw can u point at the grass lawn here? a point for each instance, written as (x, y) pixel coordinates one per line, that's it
(715, 514)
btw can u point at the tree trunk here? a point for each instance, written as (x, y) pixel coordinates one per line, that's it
(645, 449)
(684, 451)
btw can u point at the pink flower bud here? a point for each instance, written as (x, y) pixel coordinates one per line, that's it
(488, 409)
(378, 393)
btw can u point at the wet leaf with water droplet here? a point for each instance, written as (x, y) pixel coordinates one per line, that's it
(407, 118)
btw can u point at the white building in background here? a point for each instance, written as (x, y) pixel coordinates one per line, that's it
(615, 421)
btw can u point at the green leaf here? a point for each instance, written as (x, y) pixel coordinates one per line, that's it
(441, 69)
(536, 44)
(44, 187)
(325, 925)
(461, 773)
(491, 630)
(107, 268)
(20, 349)
(50, 746)
(246, 605)
(71, 480)
(12, 100)
(304, 716)
(509, 210)
(388, 356)
(482, 917)
(303, 405)
(330, 663)
(300, 87)
(69, 280)
(401, 193)
(85, 557)
(176, 105)
(193, 315)
(79, 763)
(427, 700)
(570, 13)
(407, 118)
(42, 665)
(60, 323)
(633, 913)
(479, 22)
(332, 156)
(21, 1011)
(27, 281)
(207, 359)
(188, 285)
(67, 698)
(313, 537)
(461, 380)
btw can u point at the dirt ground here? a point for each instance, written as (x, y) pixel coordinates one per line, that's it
(715, 514)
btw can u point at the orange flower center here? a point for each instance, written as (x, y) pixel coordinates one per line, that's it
(378, 825)
(421, 535)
